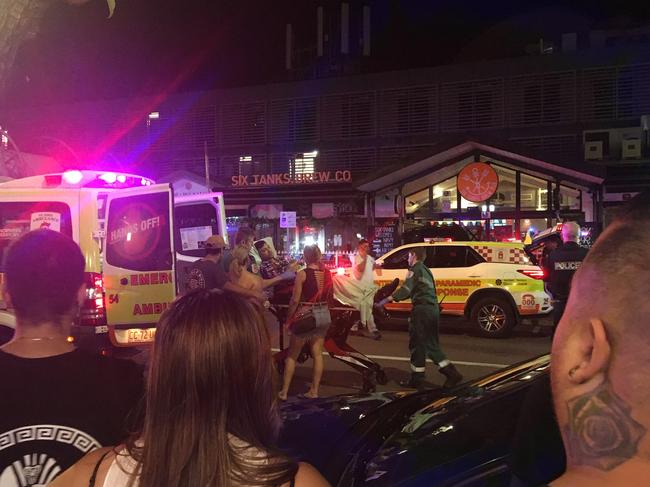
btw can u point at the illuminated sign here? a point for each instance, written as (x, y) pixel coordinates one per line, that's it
(477, 182)
(281, 179)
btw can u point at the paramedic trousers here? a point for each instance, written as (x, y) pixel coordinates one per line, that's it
(423, 337)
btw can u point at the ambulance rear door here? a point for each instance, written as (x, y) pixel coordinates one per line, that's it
(139, 267)
(196, 217)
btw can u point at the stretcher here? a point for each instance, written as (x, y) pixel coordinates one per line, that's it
(335, 344)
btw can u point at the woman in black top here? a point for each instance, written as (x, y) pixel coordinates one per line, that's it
(313, 285)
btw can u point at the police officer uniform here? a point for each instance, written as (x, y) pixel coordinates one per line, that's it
(423, 326)
(561, 264)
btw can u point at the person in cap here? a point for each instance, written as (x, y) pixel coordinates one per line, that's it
(209, 273)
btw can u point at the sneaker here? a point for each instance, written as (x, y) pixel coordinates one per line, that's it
(375, 335)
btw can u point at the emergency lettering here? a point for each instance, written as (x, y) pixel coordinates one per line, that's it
(151, 278)
(458, 282)
(149, 308)
(453, 291)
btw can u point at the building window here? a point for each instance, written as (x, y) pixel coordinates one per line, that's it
(506, 195)
(534, 193)
(444, 197)
(304, 163)
(417, 204)
(569, 198)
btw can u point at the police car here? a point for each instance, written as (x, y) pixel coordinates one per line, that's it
(493, 284)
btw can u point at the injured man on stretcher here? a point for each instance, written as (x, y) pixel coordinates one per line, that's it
(358, 293)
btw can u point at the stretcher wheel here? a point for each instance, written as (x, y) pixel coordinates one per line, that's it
(382, 379)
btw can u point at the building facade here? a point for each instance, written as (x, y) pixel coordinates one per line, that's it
(281, 147)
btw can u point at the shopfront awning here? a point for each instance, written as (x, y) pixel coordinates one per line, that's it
(452, 151)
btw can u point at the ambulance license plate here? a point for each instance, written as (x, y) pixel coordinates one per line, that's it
(135, 335)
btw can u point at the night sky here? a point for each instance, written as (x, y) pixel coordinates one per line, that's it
(152, 46)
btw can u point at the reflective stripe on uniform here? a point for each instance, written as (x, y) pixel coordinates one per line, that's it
(418, 369)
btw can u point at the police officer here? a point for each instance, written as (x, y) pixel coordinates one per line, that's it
(560, 266)
(423, 322)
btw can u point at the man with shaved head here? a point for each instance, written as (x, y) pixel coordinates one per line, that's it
(560, 266)
(600, 367)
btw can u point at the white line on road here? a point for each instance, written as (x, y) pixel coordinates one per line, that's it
(406, 359)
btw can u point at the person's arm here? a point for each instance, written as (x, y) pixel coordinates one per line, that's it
(297, 292)
(78, 475)
(242, 291)
(407, 288)
(308, 476)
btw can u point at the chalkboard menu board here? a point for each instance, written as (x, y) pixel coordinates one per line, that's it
(385, 237)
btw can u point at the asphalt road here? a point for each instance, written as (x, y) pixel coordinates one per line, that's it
(474, 356)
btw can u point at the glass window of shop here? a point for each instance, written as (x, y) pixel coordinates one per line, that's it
(534, 193)
(532, 226)
(444, 197)
(417, 204)
(570, 199)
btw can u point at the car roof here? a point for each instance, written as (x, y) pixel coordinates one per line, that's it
(473, 243)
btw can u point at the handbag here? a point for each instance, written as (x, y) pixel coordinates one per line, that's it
(313, 317)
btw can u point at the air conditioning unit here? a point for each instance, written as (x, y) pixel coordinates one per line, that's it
(631, 148)
(594, 150)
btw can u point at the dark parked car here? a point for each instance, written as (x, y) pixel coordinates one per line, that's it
(461, 437)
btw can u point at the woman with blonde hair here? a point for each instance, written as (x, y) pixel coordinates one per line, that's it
(313, 285)
(211, 416)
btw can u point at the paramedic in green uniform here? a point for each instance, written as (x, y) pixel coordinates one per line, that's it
(423, 322)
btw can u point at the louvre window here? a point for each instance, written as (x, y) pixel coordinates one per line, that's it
(471, 105)
(348, 116)
(243, 124)
(409, 111)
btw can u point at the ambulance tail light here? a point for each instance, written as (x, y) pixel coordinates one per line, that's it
(532, 273)
(93, 311)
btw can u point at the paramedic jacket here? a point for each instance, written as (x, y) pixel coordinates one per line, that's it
(562, 263)
(419, 286)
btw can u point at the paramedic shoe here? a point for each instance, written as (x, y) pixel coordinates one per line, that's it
(452, 375)
(415, 382)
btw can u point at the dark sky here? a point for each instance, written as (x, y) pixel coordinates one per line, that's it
(151, 46)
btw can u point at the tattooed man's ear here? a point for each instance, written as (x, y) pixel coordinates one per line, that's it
(596, 353)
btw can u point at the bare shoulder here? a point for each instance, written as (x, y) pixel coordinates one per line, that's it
(308, 476)
(79, 473)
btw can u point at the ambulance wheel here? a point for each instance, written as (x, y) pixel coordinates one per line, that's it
(382, 379)
(493, 317)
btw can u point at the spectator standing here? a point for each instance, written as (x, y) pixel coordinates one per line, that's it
(211, 417)
(313, 285)
(57, 402)
(599, 376)
(209, 272)
(363, 272)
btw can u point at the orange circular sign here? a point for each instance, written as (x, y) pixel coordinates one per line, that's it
(477, 182)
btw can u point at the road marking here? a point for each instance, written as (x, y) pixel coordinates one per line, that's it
(406, 359)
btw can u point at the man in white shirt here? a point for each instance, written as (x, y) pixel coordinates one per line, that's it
(363, 268)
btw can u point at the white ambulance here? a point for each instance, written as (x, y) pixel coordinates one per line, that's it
(137, 240)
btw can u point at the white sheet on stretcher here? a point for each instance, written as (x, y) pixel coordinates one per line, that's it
(349, 291)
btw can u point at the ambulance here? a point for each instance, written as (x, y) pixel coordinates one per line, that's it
(493, 284)
(136, 237)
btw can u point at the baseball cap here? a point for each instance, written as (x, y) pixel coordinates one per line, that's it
(215, 242)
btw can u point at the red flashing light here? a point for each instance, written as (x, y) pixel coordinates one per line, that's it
(532, 273)
(93, 311)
